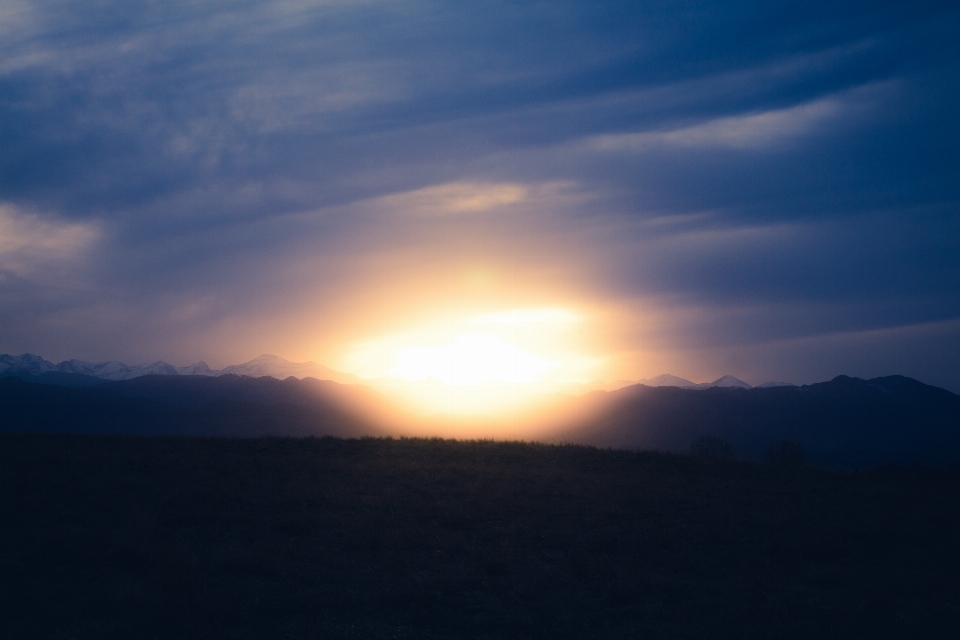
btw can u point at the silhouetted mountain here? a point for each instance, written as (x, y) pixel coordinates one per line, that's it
(277, 367)
(194, 405)
(29, 366)
(28, 407)
(75, 380)
(726, 382)
(844, 423)
(667, 380)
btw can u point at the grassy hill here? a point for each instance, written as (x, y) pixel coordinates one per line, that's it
(126, 537)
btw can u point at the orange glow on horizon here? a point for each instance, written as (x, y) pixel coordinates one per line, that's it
(484, 363)
(477, 358)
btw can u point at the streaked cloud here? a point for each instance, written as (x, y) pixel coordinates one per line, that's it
(751, 131)
(226, 179)
(465, 198)
(457, 198)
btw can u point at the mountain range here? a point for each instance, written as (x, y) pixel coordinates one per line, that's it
(225, 405)
(845, 423)
(35, 367)
(667, 380)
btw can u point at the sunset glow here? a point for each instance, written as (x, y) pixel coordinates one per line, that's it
(477, 358)
(477, 363)
(484, 199)
(479, 319)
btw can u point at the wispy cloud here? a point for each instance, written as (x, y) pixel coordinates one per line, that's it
(32, 246)
(464, 198)
(751, 131)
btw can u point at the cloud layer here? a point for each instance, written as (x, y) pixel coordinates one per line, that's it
(737, 187)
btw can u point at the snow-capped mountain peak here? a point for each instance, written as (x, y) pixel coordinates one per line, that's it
(728, 381)
(667, 380)
(265, 365)
(27, 362)
(277, 367)
(115, 370)
(196, 369)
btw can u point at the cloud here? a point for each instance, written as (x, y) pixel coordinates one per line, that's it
(456, 198)
(46, 271)
(465, 198)
(33, 247)
(745, 132)
(16, 17)
(266, 176)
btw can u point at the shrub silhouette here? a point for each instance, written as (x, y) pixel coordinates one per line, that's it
(711, 448)
(788, 453)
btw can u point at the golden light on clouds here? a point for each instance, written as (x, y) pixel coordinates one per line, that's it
(457, 198)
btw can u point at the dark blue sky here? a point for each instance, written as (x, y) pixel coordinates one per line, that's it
(765, 189)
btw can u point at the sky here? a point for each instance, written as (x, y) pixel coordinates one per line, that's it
(588, 190)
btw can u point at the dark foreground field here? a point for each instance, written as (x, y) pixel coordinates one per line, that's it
(120, 537)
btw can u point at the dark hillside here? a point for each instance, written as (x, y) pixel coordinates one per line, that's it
(845, 423)
(120, 537)
(194, 405)
(60, 379)
(193, 392)
(27, 407)
(243, 406)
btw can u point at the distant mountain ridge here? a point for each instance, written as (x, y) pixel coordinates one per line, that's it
(225, 405)
(266, 365)
(669, 380)
(728, 381)
(280, 368)
(845, 423)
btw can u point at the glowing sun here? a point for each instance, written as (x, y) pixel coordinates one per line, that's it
(475, 363)
(477, 358)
